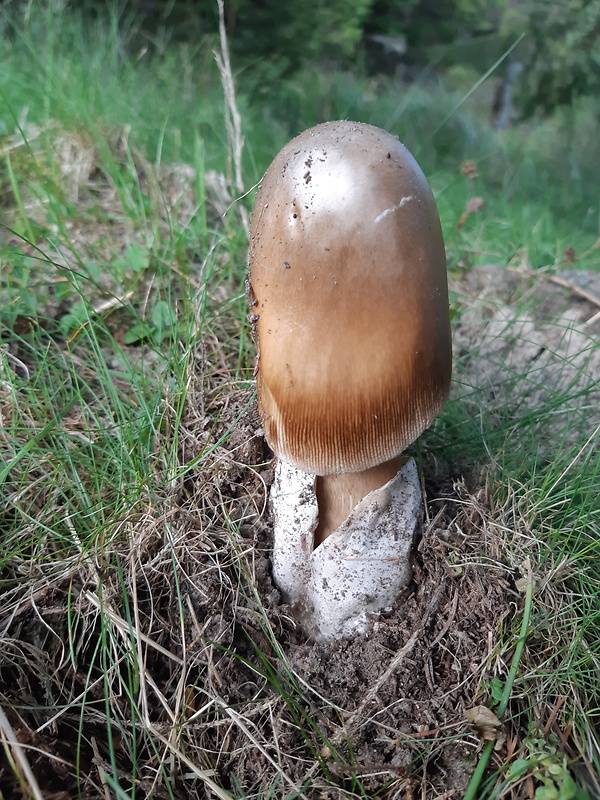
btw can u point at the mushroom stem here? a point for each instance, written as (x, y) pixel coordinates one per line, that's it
(338, 495)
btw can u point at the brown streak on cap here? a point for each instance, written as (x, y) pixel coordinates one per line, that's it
(348, 272)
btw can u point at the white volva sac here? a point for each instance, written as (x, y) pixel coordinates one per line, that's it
(360, 568)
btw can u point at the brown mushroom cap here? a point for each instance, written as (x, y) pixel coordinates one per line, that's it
(348, 284)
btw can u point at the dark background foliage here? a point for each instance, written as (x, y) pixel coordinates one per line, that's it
(559, 52)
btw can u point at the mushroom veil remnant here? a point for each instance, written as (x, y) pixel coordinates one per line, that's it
(348, 288)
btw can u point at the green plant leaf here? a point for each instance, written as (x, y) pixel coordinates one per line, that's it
(137, 257)
(74, 318)
(63, 289)
(93, 269)
(518, 768)
(548, 792)
(141, 330)
(163, 319)
(497, 689)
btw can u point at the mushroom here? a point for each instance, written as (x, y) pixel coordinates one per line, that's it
(348, 291)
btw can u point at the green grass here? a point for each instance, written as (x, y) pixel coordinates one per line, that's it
(126, 370)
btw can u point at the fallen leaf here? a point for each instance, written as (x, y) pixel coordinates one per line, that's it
(485, 722)
(521, 585)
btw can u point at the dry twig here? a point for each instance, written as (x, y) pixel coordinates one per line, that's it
(233, 120)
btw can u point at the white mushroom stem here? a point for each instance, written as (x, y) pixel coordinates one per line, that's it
(338, 495)
(360, 568)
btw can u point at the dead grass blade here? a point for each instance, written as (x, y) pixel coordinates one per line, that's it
(233, 120)
(13, 747)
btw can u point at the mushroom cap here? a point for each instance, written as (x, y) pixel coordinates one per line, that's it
(348, 287)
